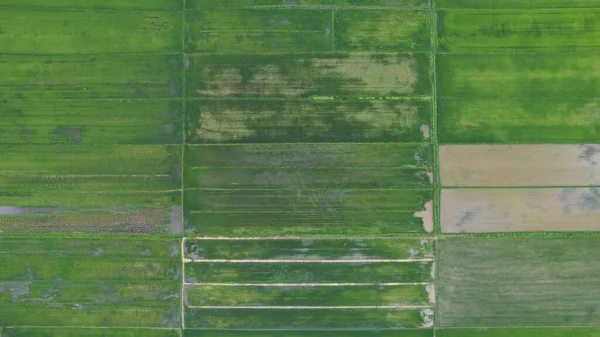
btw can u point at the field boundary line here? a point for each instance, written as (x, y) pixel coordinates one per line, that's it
(408, 188)
(309, 261)
(516, 187)
(86, 327)
(317, 329)
(414, 236)
(99, 10)
(363, 284)
(184, 65)
(303, 307)
(307, 53)
(407, 144)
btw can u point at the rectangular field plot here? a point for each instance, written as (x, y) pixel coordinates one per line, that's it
(88, 332)
(33, 31)
(309, 333)
(258, 30)
(520, 165)
(382, 30)
(527, 120)
(520, 332)
(307, 319)
(330, 75)
(92, 122)
(35, 77)
(274, 121)
(520, 210)
(309, 272)
(526, 282)
(309, 156)
(504, 4)
(148, 5)
(261, 296)
(203, 4)
(387, 4)
(67, 282)
(318, 249)
(519, 30)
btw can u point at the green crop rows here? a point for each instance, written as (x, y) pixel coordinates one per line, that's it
(262, 168)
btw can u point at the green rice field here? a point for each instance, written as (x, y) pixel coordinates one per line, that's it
(263, 168)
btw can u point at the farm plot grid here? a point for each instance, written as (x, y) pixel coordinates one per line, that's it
(264, 168)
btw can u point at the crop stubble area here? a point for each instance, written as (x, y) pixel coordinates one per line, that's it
(229, 168)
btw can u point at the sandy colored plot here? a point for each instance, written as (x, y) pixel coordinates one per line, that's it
(520, 210)
(520, 165)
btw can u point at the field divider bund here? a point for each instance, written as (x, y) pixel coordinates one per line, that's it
(309, 261)
(515, 187)
(274, 307)
(424, 236)
(184, 65)
(308, 284)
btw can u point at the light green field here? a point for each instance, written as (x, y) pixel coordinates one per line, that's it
(382, 30)
(89, 282)
(306, 296)
(36, 77)
(309, 333)
(520, 282)
(303, 319)
(390, 4)
(258, 30)
(95, 4)
(519, 30)
(308, 272)
(526, 98)
(89, 332)
(358, 76)
(276, 121)
(92, 122)
(36, 32)
(354, 249)
(520, 332)
(502, 4)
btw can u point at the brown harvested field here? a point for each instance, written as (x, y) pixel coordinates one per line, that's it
(520, 165)
(520, 210)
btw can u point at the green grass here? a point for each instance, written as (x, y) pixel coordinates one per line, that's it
(519, 30)
(520, 332)
(310, 224)
(526, 98)
(150, 5)
(306, 296)
(306, 200)
(308, 272)
(329, 75)
(309, 333)
(517, 282)
(35, 78)
(501, 4)
(92, 122)
(258, 30)
(88, 282)
(301, 319)
(34, 31)
(87, 332)
(58, 197)
(310, 156)
(388, 4)
(203, 4)
(309, 249)
(276, 121)
(381, 30)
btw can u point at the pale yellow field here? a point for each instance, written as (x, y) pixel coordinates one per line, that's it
(520, 165)
(520, 210)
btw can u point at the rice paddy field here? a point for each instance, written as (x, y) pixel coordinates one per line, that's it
(299, 168)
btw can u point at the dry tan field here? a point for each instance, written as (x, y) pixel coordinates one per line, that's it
(520, 165)
(520, 210)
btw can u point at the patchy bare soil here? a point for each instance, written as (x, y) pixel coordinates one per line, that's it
(520, 165)
(520, 210)
(427, 216)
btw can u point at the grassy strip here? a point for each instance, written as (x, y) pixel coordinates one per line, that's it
(381, 30)
(347, 272)
(88, 332)
(30, 31)
(301, 319)
(519, 30)
(520, 332)
(231, 30)
(503, 4)
(309, 249)
(309, 333)
(306, 296)
(152, 5)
